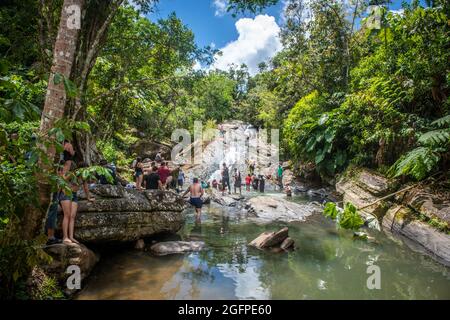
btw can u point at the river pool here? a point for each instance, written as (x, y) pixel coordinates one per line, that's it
(326, 264)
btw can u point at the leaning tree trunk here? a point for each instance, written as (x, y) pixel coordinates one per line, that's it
(55, 101)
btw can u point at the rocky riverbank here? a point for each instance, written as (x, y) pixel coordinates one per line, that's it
(418, 216)
(118, 215)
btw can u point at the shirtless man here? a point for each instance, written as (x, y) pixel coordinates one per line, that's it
(197, 192)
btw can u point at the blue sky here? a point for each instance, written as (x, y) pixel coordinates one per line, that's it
(245, 38)
(200, 16)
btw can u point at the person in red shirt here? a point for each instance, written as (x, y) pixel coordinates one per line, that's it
(248, 181)
(165, 175)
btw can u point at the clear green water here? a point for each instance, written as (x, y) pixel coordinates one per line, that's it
(325, 265)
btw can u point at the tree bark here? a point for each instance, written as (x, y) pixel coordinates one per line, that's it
(55, 102)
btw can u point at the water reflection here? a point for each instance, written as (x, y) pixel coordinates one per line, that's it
(327, 264)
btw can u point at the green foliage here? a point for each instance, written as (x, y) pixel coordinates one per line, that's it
(20, 97)
(91, 173)
(330, 210)
(49, 290)
(423, 160)
(350, 219)
(347, 218)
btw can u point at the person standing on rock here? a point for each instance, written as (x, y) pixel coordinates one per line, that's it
(152, 180)
(225, 179)
(248, 181)
(69, 202)
(251, 168)
(68, 155)
(255, 182)
(280, 176)
(181, 178)
(165, 175)
(158, 157)
(261, 183)
(139, 173)
(237, 180)
(196, 191)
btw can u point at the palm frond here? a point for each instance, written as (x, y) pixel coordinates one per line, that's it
(437, 137)
(442, 122)
(417, 163)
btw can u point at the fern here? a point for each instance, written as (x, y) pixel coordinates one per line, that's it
(416, 163)
(437, 137)
(419, 162)
(442, 122)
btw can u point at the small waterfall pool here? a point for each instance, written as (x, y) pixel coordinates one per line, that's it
(326, 264)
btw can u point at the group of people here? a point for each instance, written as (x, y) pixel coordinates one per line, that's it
(153, 175)
(252, 180)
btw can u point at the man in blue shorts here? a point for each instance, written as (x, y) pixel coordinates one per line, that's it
(196, 191)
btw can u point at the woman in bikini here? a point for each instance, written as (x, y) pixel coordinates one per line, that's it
(139, 173)
(68, 155)
(69, 202)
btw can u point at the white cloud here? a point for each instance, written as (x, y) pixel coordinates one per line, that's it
(398, 12)
(221, 7)
(258, 41)
(197, 65)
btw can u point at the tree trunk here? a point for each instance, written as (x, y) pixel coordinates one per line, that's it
(55, 100)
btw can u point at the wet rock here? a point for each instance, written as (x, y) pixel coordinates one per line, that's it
(300, 189)
(287, 243)
(420, 236)
(374, 183)
(269, 208)
(429, 203)
(140, 244)
(176, 247)
(225, 200)
(149, 149)
(270, 239)
(322, 193)
(360, 198)
(64, 256)
(133, 216)
(104, 191)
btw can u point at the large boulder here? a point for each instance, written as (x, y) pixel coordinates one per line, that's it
(120, 214)
(430, 204)
(64, 256)
(270, 239)
(175, 247)
(363, 188)
(399, 220)
(269, 208)
(149, 149)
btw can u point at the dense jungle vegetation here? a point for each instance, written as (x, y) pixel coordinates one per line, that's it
(342, 92)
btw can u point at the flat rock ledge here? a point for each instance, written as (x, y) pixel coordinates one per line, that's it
(398, 216)
(270, 240)
(124, 215)
(269, 208)
(176, 247)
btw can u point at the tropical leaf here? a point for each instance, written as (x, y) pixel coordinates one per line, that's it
(417, 163)
(442, 122)
(435, 137)
(350, 218)
(330, 210)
